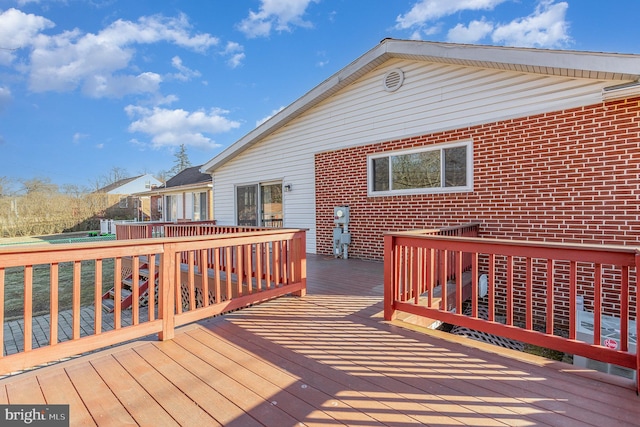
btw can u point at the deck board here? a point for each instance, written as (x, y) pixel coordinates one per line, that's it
(101, 403)
(58, 389)
(136, 401)
(182, 409)
(322, 360)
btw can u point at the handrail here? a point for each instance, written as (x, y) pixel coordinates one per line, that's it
(534, 285)
(265, 264)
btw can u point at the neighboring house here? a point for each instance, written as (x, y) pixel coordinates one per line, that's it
(186, 196)
(121, 201)
(533, 144)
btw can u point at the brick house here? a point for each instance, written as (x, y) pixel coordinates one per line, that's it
(532, 144)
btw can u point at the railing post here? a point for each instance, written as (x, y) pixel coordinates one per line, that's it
(389, 268)
(300, 257)
(166, 291)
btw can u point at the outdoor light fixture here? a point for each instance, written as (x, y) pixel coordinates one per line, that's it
(287, 188)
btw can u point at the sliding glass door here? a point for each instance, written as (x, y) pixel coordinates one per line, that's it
(259, 204)
(271, 205)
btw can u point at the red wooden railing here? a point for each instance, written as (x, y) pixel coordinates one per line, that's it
(148, 230)
(471, 229)
(534, 285)
(267, 264)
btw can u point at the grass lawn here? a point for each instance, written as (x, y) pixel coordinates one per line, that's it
(14, 287)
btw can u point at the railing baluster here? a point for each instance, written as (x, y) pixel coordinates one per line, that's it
(117, 285)
(624, 309)
(97, 298)
(529, 293)
(77, 280)
(474, 284)
(550, 295)
(573, 293)
(431, 275)
(509, 290)
(259, 260)
(597, 307)
(135, 290)
(216, 272)
(191, 280)
(151, 289)
(444, 268)
(491, 284)
(239, 270)
(204, 276)
(268, 261)
(228, 272)
(28, 307)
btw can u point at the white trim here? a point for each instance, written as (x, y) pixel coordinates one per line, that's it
(438, 190)
(621, 91)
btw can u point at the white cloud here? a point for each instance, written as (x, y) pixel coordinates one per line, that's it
(275, 15)
(17, 31)
(475, 31)
(546, 27)
(99, 63)
(273, 113)
(236, 52)
(5, 97)
(424, 11)
(184, 73)
(169, 128)
(77, 137)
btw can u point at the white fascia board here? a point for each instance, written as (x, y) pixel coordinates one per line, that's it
(587, 62)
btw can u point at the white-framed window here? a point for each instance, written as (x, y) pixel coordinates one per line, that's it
(159, 204)
(440, 168)
(123, 202)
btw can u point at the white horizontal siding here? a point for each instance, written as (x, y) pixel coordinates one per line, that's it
(434, 97)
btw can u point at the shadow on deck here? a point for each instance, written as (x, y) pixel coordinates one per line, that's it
(325, 359)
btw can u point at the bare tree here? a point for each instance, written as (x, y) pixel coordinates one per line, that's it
(115, 175)
(39, 185)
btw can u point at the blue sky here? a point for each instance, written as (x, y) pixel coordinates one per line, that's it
(87, 86)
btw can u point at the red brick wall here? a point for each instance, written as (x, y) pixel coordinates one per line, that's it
(568, 176)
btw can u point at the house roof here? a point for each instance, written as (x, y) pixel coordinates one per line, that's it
(619, 68)
(188, 176)
(119, 183)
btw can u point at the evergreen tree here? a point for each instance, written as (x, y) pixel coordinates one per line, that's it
(180, 162)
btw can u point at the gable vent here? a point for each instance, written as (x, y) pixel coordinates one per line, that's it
(393, 80)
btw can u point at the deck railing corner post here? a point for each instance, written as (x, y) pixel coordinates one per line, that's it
(166, 290)
(389, 268)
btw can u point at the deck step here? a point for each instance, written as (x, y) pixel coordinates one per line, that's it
(108, 305)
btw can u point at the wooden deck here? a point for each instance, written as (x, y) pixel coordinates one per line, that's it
(325, 359)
